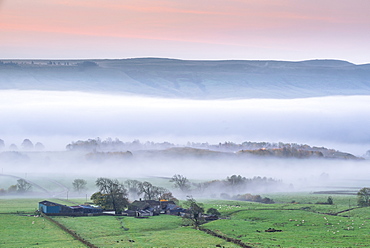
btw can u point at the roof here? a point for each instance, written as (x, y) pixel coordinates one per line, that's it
(145, 204)
(50, 204)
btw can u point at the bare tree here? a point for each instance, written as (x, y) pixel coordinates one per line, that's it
(181, 182)
(133, 187)
(79, 185)
(150, 191)
(23, 186)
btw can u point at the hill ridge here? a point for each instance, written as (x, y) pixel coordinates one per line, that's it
(193, 79)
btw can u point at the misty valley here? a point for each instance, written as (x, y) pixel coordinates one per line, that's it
(280, 167)
(252, 194)
(192, 153)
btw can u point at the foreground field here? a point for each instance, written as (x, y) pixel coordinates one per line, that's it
(156, 231)
(297, 228)
(296, 218)
(19, 227)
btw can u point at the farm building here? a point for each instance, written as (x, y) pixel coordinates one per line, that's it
(151, 207)
(49, 207)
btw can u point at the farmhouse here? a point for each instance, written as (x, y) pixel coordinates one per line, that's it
(152, 207)
(52, 208)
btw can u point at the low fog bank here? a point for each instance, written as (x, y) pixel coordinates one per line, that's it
(57, 118)
(55, 171)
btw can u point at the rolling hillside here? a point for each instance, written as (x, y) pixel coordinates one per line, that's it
(190, 79)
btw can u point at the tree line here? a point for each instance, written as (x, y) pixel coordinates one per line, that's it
(26, 145)
(110, 144)
(21, 187)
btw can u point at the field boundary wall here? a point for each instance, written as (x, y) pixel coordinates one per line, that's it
(74, 234)
(228, 239)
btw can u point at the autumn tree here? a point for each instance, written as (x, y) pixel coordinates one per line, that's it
(12, 189)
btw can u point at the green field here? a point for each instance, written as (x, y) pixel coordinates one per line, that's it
(19, 227)
(299, 228)
(156, 231)
(302, 223)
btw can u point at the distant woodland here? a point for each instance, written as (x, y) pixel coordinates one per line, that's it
(257, 149)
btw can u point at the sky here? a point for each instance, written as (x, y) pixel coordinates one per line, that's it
(207, 30)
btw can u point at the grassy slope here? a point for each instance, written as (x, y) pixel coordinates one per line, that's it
(299, 228)
(306, 225)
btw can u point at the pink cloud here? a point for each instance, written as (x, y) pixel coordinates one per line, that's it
(280, 23)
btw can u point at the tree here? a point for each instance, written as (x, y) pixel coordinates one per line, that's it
(194, 212)
(363, 197)
(27, 145)
(88, 64)
(79, 185)
(330, 200)
(2, 144)
(113, 194)
(150, 191)
(39, 146)
(181, 182)
(214, 212)
(133, 187)
(13, 147)
(12, 189)
(101, 200)
(235, 180)
(169, 197)
(23, 186)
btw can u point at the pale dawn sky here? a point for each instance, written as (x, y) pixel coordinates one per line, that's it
(208, 29)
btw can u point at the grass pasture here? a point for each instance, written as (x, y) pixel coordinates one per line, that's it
(299, 228)
(156, 231)
(302, 223)
(19, 227)
(28, 231)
